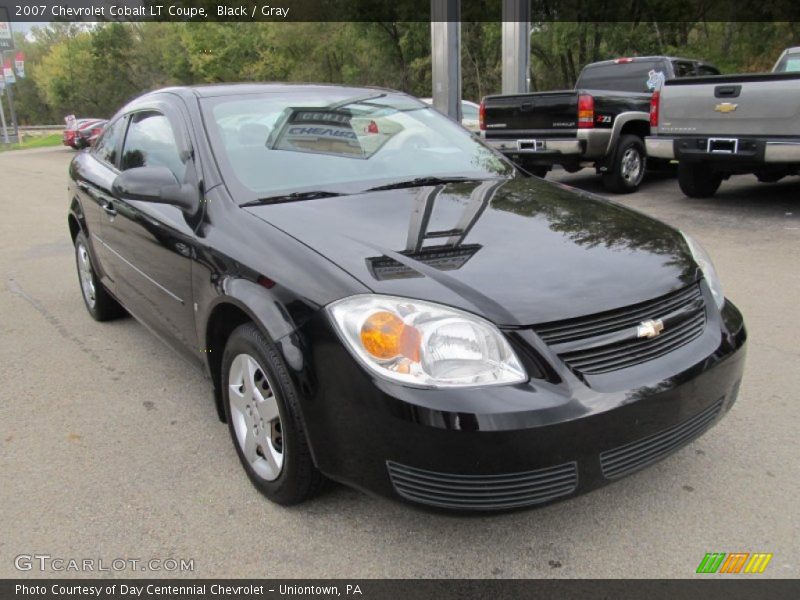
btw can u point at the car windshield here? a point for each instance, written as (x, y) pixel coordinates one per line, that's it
(277, 143)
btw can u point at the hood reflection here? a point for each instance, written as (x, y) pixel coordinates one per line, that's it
(450, 255)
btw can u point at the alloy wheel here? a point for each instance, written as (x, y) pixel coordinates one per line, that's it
(631, 166)
(86, 275)
(255, 416)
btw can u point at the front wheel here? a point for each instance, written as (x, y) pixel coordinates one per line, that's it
(627, 166)
(263, 413)
(697, 180)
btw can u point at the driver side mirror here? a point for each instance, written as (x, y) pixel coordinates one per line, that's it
(155, 184)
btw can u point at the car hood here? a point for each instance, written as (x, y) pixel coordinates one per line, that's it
(519, 251)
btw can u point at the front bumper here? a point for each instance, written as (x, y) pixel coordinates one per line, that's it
(729, 149)
(509, 446)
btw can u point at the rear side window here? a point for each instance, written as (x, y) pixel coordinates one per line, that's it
(705, 70)
(789, 64)
(683, 68)
(151, 142)
(105, 148)
(637, 76)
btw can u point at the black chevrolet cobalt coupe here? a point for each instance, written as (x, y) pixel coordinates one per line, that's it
(381, 300)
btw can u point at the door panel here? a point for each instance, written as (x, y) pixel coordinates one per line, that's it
(94, 174)
(151, 246)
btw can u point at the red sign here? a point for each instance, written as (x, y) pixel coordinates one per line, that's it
(19, 64)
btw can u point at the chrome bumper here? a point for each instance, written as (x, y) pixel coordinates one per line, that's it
(537, 146)
(774, 151)
(782, 152)
(660, 147)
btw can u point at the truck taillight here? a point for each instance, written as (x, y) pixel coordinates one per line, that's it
(654, 102)
(482, 116)
(585, 111)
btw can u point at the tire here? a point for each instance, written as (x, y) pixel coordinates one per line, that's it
(697, 180)
(767, 177)
(627, 167)
(264, 420)
(539, 171)
(99, 303)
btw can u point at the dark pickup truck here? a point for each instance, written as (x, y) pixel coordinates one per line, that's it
(601, 123)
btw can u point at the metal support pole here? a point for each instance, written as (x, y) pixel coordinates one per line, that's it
(3, 120)
(516, 45)
(446, 56)
(12, 112)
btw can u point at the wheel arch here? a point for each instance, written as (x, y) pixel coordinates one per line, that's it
(76, 220)
(245, 301)
(632, 122)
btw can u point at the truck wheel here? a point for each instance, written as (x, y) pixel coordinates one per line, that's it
(627, 166)
(539, 171)
(697, 180)
(769, 177)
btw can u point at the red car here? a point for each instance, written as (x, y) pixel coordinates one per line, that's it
(89, 132)
(70, 137)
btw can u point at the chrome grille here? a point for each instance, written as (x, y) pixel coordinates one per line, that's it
(608, 341)
(483, 492)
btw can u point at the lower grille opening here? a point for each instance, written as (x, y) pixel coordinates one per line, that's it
(483, 492)
(626, 459)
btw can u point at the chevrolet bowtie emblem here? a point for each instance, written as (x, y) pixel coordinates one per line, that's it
(650, 329)
(726, 107)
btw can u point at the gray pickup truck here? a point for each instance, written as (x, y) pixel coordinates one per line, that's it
(726, 125)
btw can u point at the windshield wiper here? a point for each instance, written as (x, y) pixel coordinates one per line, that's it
(295, 196)
(420, 181)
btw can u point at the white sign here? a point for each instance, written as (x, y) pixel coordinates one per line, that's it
(6, 39)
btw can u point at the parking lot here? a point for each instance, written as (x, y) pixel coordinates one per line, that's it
(110, 446)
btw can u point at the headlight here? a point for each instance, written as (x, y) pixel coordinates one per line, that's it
(424, 344)
(703, 261)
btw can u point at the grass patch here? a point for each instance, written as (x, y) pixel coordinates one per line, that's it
(33, 141)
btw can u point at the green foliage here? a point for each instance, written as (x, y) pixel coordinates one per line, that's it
(34, 141)
(91, 70)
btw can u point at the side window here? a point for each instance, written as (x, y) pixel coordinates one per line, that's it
(705, 70)
(151, 142)
(683, 68)
(106, 147)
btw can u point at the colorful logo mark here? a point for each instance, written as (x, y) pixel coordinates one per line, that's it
(735, 562)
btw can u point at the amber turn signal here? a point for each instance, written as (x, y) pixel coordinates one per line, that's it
(385, 336)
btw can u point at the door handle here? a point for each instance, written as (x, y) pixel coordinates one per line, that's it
(108, 206)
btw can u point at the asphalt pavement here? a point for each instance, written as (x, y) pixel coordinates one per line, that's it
(110, 446)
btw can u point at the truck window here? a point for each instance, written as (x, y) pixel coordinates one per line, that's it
(706, 70)
(683, 68)
(637, 76)
(789, 64)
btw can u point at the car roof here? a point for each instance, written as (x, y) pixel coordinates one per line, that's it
(245, 88)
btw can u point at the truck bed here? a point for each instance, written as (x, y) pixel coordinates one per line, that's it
(763, 104)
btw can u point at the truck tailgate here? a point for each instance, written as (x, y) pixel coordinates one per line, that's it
(545, 112)
(762, 105)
